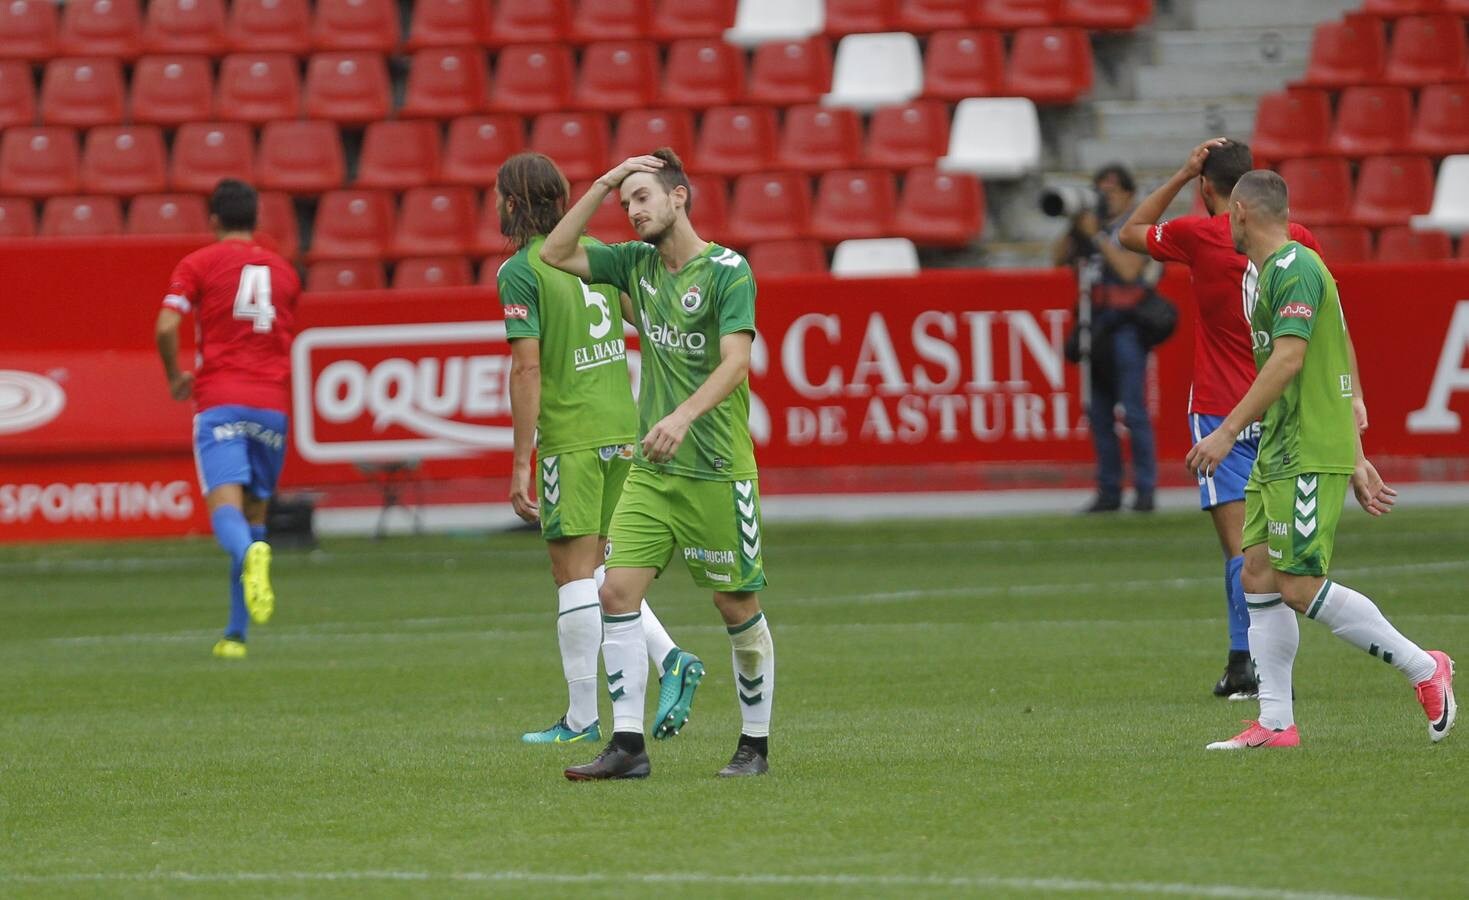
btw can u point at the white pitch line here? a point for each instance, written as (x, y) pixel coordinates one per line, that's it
(962, 882)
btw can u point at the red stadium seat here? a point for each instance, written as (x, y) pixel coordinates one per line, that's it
(477, 145)
(300, 157)
(769, 207)
(1400, 243)
(489, 269)
(435, 222)
(258, 88)
(1352, 50)
(923, 16)
(355, 25)
(348, 87)
(940, 208)
(854, 204)
(736, 139)
(445, 82)
(960, 64)
(1371, 121)
(101, 28)
(1105, 15)
(702, 72)
(533, 78)
(1396, 8)
(844, 17)
(1426, 50)
(425, 273)
(17, 218)
(617, 75)
(345, 275)
(674, 20)
(1392, 189)
(710, 212)
(529, 22)
(1320, 190)
(82, 92)
(576, 141)
(353, 224)
(81, 217)
(28, 30)
(1343, 243)
(1290, 124)
(186, 26)
(168, 214)
(818, 138)
(1441, 126)
(447, 23)
(1050, 65)
(17, 94)
(125, 160)
(38, 162)
(611, 20)
(641, 131)
(270, 26)
(488, 239)
(204, 153)
(276, 226)
(1012, 14)
(784, 73)
(171, 90)
(778, 258)
(399, 155)
(609, 224)
(1464, 248)
(902, 137)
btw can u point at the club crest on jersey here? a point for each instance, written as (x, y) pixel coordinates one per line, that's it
(692, 299)
(1296, 311)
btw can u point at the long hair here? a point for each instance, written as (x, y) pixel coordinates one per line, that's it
(535, 195)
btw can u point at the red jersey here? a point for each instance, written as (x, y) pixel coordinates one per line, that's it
(243, 297)
(1223, 280)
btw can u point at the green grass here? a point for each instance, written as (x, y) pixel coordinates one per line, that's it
(998, 708)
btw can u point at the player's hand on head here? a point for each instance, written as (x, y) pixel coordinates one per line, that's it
(521, 499)
(614, 178)
(1359, 413)
(181, 386)
(1195, 163)
(1373, 494)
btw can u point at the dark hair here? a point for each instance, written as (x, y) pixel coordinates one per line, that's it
(1118, 171)
(672, 175)
(536, 195)
(1264, 190)
(234, 204)
(1225, 165)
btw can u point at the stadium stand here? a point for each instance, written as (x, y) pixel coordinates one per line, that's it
(432, 272)
(270, 26)
(785, 73)
(445, 82)
(168, 214)
(1425, 50)
(104, 28)
(769, 207)
(710, 213)
(944, 209)
(817, 139)
(737, 139)
(960, 64)
(703, 72)
(1320, 190)
(1347, 52)
(347, 87)
(901, 137)
(533, 78)
(617, 75)
(278, 225)
(82, 92)
(370, 25)
(353, 224)
(300, 157)
(853, 204)
(1372, 120)
(1392, 189)
(435, 222)
(124, 160)
(875, 257)
(994, 137)
(399, 155)
(17, 218)
(258, 88)
(577, 141)
(1441, 122)
(1344, 243)
(345, 275)
(610, 20)
(29, 30)
(1050, 65)
(528, 21)
(1400, 243)
(17, 94)
(640, 129)
(477, 145)
(760, 21)
(795, 257)
(446, 23)
(39, 162)
(1450, 209)
(1291, 124)
(203, 153)
(171, 90)
(81, 217)
(186, 26)
(875, 70)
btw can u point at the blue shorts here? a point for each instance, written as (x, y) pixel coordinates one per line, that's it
(240, 445)
(1227, 484)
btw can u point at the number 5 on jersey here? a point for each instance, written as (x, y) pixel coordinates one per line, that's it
(252, 300)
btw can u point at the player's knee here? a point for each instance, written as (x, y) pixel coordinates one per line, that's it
(618, 597)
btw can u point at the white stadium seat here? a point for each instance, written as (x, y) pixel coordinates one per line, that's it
(875, 70)
(994, 137)
(761, 21)
(1450, 210)
(875, 257)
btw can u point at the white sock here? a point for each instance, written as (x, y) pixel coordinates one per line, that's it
(1274, 636)
(659, 643)
(599, 575)
(579, 631)
(625, 652)
(1357, 620)
(754, 667)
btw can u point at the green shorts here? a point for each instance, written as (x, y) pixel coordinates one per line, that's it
(1296, 519)
(580, 489)
(715, 525)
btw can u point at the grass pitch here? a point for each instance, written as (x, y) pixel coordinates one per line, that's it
(997, 708)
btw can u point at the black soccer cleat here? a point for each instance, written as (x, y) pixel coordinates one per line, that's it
(612, 763)
(1238, 681)
(746, 761)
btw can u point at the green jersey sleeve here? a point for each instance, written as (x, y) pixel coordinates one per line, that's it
(1296, 296)
(612, 263)
(737, 300)
(519, 297)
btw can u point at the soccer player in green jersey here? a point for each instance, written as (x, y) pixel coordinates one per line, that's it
(1310, 454)
(693, 489)
(571, 400)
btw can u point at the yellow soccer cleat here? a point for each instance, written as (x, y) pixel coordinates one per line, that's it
(259, 596)
(229, 648)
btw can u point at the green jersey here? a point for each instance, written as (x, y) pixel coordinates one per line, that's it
(1310, 428)
(586, 395)
(681, 316)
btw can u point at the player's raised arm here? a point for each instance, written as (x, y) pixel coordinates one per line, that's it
(666, 436)
(562, 247)
(1134, 233)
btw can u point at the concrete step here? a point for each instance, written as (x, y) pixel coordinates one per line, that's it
(1233, 47)
(1179, 81)
(1136, 152)
(1267, 13)
(1197, 119)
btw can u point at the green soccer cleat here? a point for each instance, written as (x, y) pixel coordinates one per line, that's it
(682, 673)
(259, 596)
(229, 648)
(560, 734)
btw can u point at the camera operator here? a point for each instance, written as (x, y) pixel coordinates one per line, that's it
(1119, 281)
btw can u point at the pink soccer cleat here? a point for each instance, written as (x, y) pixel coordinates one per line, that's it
(1436, 695)
(1258, 736)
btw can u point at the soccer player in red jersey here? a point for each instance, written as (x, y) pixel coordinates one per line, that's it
(243, 298)
(1224, 282)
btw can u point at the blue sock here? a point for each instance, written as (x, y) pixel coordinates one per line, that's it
(257, 532)
(233, 534)
(239, 615)
(1239, 612)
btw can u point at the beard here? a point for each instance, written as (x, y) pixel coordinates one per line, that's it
(656, 238)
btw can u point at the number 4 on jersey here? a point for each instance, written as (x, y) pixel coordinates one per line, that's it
(252, 300)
